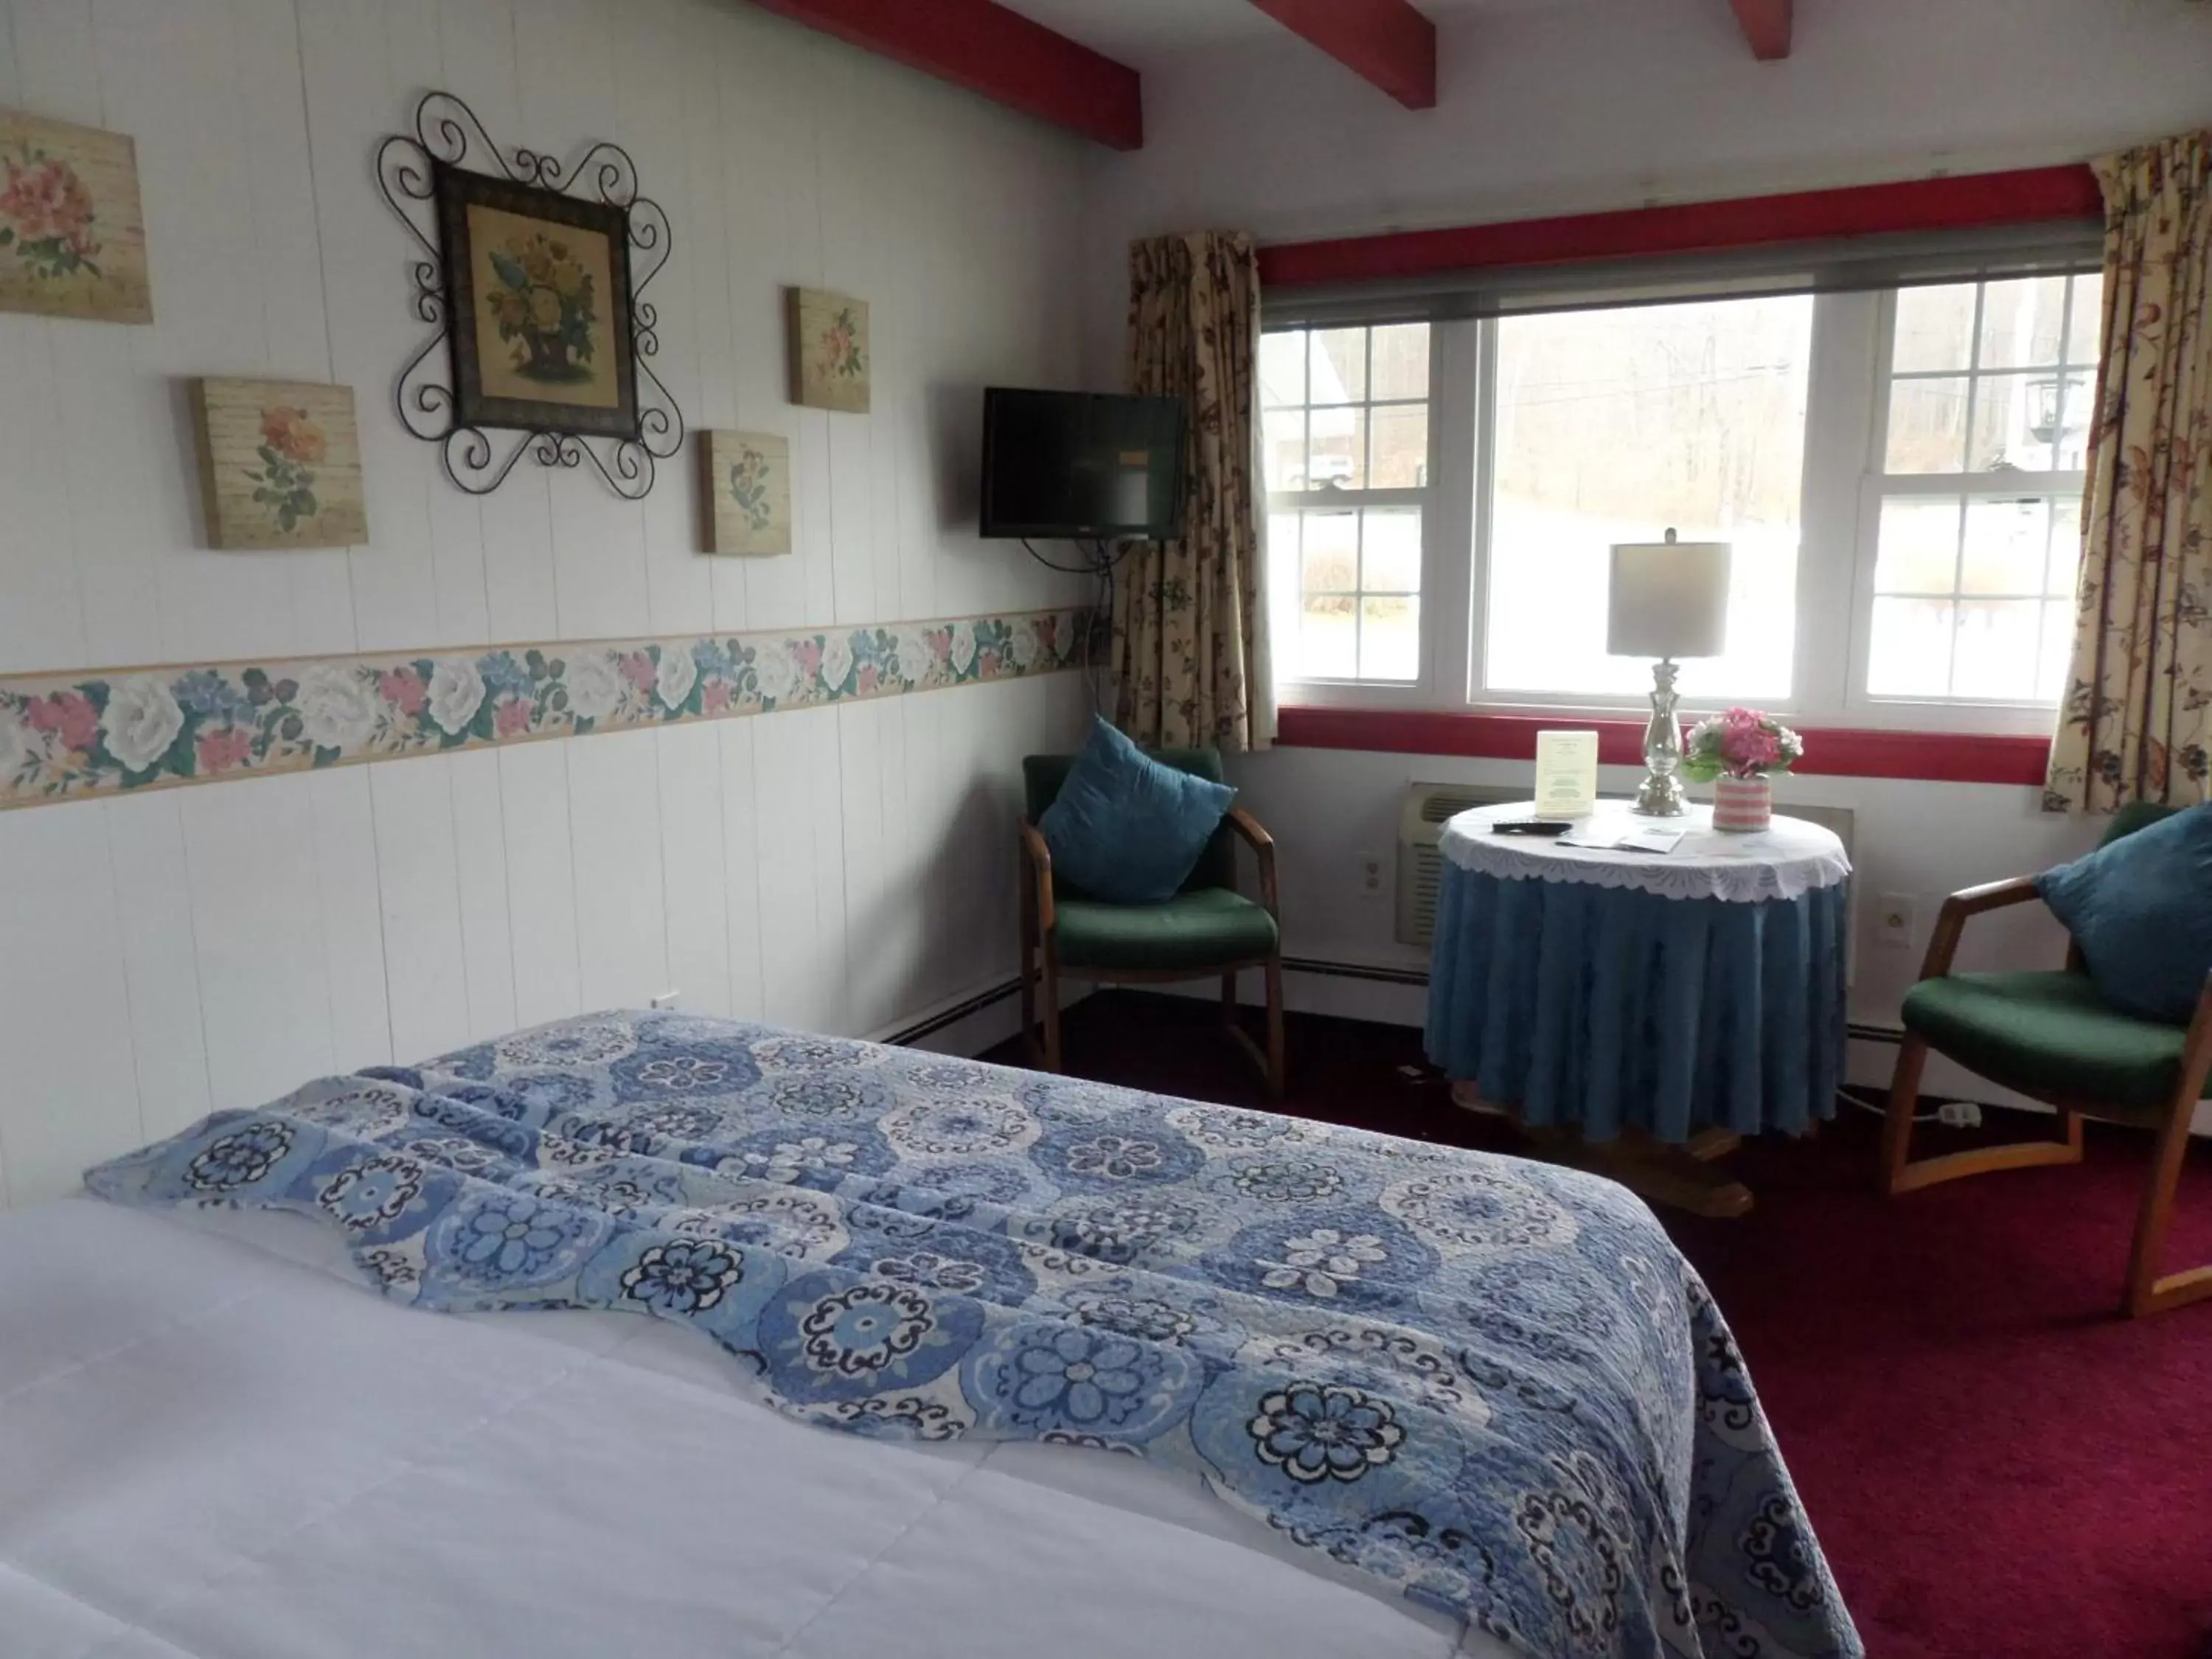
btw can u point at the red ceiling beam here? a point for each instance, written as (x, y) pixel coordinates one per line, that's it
(2034, 195)
(1767, 26)
(988, 49)
(1384, 41)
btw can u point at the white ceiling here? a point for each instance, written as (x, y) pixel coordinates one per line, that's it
(1140, 32)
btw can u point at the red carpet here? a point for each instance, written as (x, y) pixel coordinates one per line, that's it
(1998, 1466)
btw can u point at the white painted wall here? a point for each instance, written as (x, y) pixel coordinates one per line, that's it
(840, 869)
(1586, 105)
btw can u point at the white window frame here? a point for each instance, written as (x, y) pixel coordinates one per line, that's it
(1844, 484)
(2020, 716)
(1438, 530)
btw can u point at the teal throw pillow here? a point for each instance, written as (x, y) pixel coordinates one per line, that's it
(1126, 828)
(2141, 909)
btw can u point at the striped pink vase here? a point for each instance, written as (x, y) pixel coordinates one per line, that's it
(1742, 803)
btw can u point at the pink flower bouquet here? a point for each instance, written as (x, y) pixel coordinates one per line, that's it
(1741, 744)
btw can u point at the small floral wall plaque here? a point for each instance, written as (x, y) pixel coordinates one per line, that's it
(830, 360)
(71, 242)
(748, 486)
(280, 463)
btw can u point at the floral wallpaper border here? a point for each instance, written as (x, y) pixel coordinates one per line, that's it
(69, 736)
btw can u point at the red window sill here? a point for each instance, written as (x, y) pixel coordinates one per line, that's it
(1830, 751)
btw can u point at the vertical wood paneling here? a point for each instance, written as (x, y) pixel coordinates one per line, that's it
(793, 950)
(541, 880)
(614, 815)
(837, 869)
(153, 913)
(694, 872)
(870, 891)
(354, 954)
(480, 862)
(355, 96)
(257, 936)
(72, 1095)
(741, 870)
(419, 890)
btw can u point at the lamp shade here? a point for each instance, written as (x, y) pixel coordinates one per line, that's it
(1667, 599)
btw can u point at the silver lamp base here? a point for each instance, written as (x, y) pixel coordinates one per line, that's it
(1662, 794)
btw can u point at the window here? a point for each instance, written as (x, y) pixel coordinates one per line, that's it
(1346, 426)
(1979, 509)
(1615, 426)
(1898, 473)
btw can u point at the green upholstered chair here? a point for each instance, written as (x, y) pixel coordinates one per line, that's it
(2051, 1037)
(1206, 928)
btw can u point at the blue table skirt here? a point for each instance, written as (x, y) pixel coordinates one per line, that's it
(1598, 1007)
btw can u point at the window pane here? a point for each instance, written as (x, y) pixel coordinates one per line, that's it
(2006, 542)
(1401, 361)
(2080, 395)
(2085, 327)
(2015, 417)
(1909, 648)
(1400, 433)
(1390, 638)
(1283, 435)
(1390, 560)
(1918, 552)
(2065, 545)
(1338, 457)
(2056, 665)
(1328, 638)
(1340, 365)
(2021, 322)
(1330, 561)
(1997, 649)
(1283, 368)
(1934, 328)
(1927, 426)
(1613, 425)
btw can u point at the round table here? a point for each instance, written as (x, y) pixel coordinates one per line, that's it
(1601, 990)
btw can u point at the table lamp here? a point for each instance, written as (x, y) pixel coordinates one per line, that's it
(1667, 599)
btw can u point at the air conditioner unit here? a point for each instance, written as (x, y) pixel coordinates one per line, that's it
(1428, 807)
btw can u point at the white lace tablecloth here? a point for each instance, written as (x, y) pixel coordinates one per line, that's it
(1785, 861)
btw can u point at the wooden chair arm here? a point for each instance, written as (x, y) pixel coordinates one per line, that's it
(1263, 849)
(1950, 921)
(2197, 1052)
(1040, 862)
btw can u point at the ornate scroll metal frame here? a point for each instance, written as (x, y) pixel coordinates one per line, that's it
(447, 136)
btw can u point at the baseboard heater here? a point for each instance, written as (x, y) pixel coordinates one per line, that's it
(907, 1035)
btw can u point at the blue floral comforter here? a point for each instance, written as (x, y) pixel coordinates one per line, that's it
(1492, 1384)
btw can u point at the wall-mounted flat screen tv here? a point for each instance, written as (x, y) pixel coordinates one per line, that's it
(1078, 464)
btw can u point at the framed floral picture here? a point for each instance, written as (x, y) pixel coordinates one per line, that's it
(71, 241)
(538, 305)
(280, 463)
(748, 482)
(830, 360)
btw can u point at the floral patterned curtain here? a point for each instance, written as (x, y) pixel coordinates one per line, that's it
(2137, 721)
(1190, 620)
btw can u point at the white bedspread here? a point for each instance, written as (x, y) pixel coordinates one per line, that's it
(208, 1449)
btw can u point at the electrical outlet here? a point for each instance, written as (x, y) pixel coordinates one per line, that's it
(666, 1000)
(1893, 919)
(1959, 1114)
(1371, 884)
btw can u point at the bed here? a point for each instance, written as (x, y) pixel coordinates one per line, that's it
(1116, 1375)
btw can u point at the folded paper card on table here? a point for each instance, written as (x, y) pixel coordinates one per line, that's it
(1651, 840)
(1566, 774)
